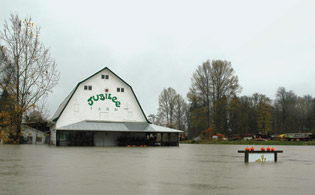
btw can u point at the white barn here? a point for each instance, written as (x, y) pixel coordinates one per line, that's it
(103, 110)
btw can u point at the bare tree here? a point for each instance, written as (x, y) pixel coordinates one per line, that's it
(167, 102)
(172, 110)
(180, 114)
(214, 83)
(153, 119)
(200, 89)
(224, 85)
(263, 108)
(35, 72)
(286, 105)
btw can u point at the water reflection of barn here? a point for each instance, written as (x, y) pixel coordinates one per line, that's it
(103, 110)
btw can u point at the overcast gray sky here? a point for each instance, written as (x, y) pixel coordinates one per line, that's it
(158, 44)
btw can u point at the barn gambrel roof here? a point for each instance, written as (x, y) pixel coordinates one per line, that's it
(65, 102)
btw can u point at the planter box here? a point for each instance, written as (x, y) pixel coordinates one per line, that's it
(260, 156)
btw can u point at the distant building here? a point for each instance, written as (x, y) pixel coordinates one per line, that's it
(103, 110)
(33, 136)
(29, 134)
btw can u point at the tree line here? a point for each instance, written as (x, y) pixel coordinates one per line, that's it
(213, 101)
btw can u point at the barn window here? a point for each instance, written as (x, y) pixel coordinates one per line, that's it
(87, 87)
(105, 76)
(120, 89)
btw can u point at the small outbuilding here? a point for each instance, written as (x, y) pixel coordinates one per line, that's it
(29, 135)
(33, 136)
(103, 110)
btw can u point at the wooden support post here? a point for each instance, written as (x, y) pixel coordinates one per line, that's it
(246, 157)
(161, 139)
(57, 138)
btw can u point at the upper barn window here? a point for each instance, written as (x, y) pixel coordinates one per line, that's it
(87, 87)
(120, 89)
(105, 76)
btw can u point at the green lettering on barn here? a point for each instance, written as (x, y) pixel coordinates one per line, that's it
(103, 97)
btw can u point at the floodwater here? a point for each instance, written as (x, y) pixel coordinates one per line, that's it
(187, 169)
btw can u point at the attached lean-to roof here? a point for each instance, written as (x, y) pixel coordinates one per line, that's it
(65, 102)
(118, 127)
(63, 105)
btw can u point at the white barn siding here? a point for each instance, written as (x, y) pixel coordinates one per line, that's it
(78, 108)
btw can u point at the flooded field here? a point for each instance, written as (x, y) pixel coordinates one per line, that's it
(188, 169)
